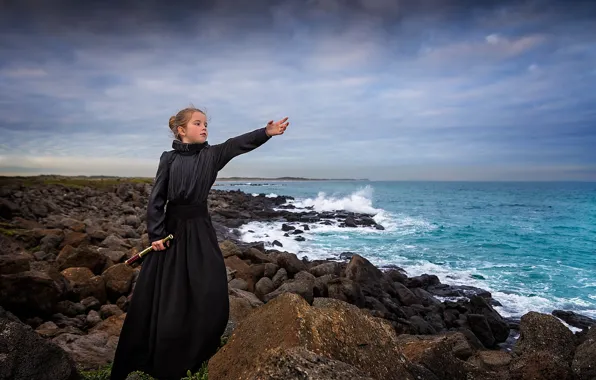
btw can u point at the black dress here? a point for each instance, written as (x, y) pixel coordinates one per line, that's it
(179, 308)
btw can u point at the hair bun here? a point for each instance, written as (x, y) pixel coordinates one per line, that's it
(172, 122)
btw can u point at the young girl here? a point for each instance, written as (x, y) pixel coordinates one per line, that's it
(180, 308)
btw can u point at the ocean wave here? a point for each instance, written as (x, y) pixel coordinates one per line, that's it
(359, 201)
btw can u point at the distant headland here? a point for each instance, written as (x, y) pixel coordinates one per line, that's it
(235, 179)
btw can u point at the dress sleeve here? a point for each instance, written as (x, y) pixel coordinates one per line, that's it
(238, 145)
(157, 200)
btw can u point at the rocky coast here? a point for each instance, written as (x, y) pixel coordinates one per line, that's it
(64, 292)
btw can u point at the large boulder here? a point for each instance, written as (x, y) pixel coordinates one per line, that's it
(544, 350)
(30, 293)
(333, 330)
(584, 362)
(96, 349)
(15, 263)
(443, 355)
(24, 355)
(544, 332)
(300, 363)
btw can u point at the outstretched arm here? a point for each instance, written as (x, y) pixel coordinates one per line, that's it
(238, 145)
(157, 199)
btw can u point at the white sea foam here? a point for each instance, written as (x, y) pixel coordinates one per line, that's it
(359, 201)
(270, 195)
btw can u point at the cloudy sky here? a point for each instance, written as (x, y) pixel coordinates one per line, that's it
(379, 89)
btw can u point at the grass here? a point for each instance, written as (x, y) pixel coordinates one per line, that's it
(75, 182)
(7, 232)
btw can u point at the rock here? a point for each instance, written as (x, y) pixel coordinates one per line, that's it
(84, 256)
(288, 322)
(498, 326)
(11, 264)
(321, 288)
(539, 365)
(492, 361)
(545, 333)
(350, 222)
(74, 239)
(30, 293)
(444, 290)
(93, 318)
(24, 355)
(346, 255)
(423, 281)
(110, 254)
(257, 257)
(405, 295)
(91, 351)
(443, 355)
(109, 310)
(48, 329)
(424, 297)
(584, 361)
(280, 277)
(285, 227)
(238, 283)
(290, 263)
(240, 308)
(302, 284)
(51, 241)
(251, 298)
(346, 290)
(333, 268)
(70, 308)
(90, 303)
(85, 284)
(118, 280)
(299, 363)
(574, 319)
(480, 327)
(396, 275)
(115, 243)
(421, 326)
(264, 286)
(228, 249)
(270, 270)
(242, 270)
(112, 324)
(8, 209)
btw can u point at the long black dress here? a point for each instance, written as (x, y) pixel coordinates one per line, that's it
(180, 308)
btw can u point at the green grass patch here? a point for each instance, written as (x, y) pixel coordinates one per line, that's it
(8, 232)
(99, 374)
(74, 182)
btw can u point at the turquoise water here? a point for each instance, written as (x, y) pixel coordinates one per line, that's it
(533, 245)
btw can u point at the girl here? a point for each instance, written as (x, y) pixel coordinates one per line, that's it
(180, 308)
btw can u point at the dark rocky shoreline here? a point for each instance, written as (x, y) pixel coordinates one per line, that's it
(64, 290)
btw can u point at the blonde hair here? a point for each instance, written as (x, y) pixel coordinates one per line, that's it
(181, 119)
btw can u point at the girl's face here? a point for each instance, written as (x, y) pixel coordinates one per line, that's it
(196, 129)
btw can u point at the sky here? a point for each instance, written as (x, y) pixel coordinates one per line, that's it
(377, 89)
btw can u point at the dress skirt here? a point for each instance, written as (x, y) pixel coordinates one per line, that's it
(180, 306)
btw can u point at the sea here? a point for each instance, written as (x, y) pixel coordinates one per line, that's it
(531, 244)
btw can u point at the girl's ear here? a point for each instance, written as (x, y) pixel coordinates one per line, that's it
(181, 131)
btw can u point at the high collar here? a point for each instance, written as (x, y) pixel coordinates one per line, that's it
(188, 147)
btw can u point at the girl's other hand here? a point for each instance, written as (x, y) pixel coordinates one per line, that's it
(159, 245)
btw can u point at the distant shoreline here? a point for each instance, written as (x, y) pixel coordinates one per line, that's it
(279, 179)
(104, 180)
